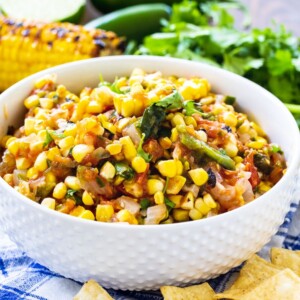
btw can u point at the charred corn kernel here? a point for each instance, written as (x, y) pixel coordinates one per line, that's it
(50, 178)
(60, 191)
(258, 129)
(73, 183)
(179, 166)
(188, 201)
(52, 153)
(9, 178)
(104, 212)
(256, 144)
(209, 201)
(114, 149)
(46, 103)
(79, 152)
(41, 162)
(201, 134)
(66, 143)
(139, 164)
(87, 199)
(87, 214)
(32, 173)
(133, 188)
(195, 214)
(231, 149)
(159, 197)
(165, 142)
(264, 186)
(180, 215)
(32, 101)
(108, 171)
(189, 120)
(174, 135)
(23, 163)
(177, 120)
(167, 168)
(4, 140)
(128, 148)
(154, 185)
(13, 145)
(71, 130)
(238, 159)
(175, 184)
(49, 202)
(202, 206)
(230, 118)
(118, 180)
(176, 199)
(199, 176)
(125, 215)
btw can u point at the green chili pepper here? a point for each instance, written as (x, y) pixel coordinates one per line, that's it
(202, 147)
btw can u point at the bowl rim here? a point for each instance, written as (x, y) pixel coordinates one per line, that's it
(294, 162)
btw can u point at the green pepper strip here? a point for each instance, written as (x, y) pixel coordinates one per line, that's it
(197, 145)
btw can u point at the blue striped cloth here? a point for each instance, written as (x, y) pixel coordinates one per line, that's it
(23, 278)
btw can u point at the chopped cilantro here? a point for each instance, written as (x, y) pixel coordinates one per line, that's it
(48, 139)
(100, 182)
(145, 203)
(140, 151)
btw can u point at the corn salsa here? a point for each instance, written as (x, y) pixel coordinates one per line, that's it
(144, 149)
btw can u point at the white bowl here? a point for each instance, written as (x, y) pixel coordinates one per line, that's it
(137, 257)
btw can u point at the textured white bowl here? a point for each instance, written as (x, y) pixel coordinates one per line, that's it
(145, 257)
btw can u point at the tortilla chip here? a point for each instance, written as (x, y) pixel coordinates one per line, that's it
(91, 290)
(195, 292)
(286, 259)
(281, 286)
(255, 270)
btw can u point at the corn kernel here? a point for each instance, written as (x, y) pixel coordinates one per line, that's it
(32, 101)
(209, 201)
(264, 186)
(176, 199)
(154, 185)
(114, 149)
(231, 149)
(41, 162)
(87, 214)
(71, 130)
(175, 184)
(46, 103)
(66, 143)
(60, 191)
(218, 109)
(32, 173)
(180, 215)
(167, 168)
(77, 211)
(165, 142)
(230, 119)
(244, 128)
(13, 145)
(202, 206)
(94, 107)
(128, 148)
(4, 140)
(110, 127)
(108, 171)
(104, 212)
(80, 151)
(177, 120)
(159, 197)
(238, 159)
(23, 163)
(125, 215)
(256, 144)
(50, 178)
(199, 176)
(87, 199)
(201, 134)
(36, 147)
(189, 120)
(52, 153)
(139, 164)
(73, 183)
(119, 180)
(258, 129)
(121, 124)
(179, 166)
(188, 201)
(134, 189)
(49, 202)
(195, 214)
(174, 135)
(9, 178)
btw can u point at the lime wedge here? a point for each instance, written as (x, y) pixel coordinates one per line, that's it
(44, 10)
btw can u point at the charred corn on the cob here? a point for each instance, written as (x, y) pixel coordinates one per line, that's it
(27, 47)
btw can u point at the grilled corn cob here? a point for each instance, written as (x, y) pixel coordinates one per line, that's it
(27, 47)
